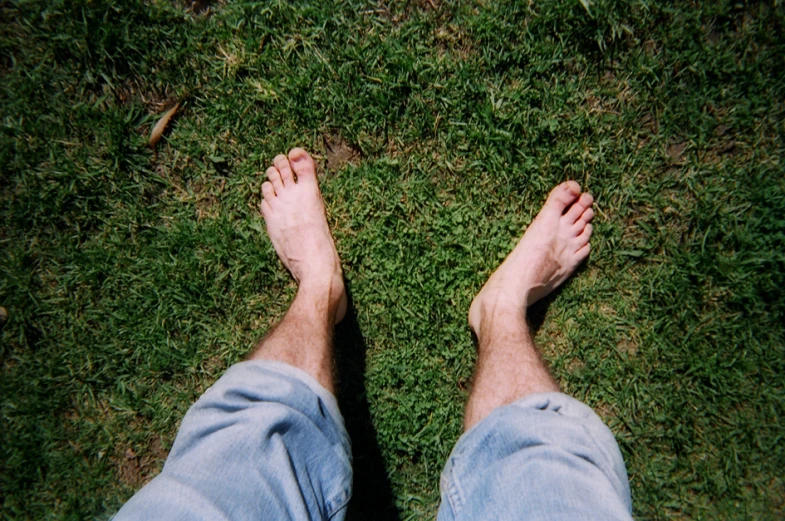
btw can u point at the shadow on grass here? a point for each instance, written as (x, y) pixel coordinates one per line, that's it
(537, 312)
(372, 497)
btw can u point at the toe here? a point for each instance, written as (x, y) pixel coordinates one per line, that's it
(303, 165)
(580, 224)
(580, 206)
(281, 162)
(274, 176)
(563, 195)
(583, 238)
(268, 192)
(583, 252)
(587, 216)
(265, 207)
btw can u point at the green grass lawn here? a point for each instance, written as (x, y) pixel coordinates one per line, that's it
(133, 278)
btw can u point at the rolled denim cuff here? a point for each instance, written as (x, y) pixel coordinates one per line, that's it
(265, 441)
(545, 456)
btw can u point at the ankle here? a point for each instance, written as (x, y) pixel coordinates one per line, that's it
(322, 295)
(495, 307)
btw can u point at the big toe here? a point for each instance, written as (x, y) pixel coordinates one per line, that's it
(303, 165)
(563, 195)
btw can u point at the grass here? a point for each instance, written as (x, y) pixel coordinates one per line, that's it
(133, 278)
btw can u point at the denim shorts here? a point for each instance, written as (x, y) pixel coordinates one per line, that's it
(268, 442)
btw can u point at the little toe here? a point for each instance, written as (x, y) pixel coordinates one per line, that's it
(578, 207)
(303, 165)
(281, 162)
(274, 176)
(583, 252)
(265, 208)
(564, 194)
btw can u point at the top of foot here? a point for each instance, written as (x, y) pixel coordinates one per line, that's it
(555, 243)
(294, 212)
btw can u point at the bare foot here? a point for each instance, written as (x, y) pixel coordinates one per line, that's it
(555, 243)
(297, 225)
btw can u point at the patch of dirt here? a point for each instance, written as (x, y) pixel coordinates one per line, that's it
(400, 12)
(134, 470)
(594, 105)
(429, 4)
(649, 126)
(652, 47)
(675, 152)
(338, 153)
(576, 366)
(199, 6)
(726, 140)
(204, 193)
(205, 198)
(605, 411)
(129, 466)
(452, 37)
(213, 366)
(628, 345)
(776, 487)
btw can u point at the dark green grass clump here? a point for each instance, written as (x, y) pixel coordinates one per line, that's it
(133, 277)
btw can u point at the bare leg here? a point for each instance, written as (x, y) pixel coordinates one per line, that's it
(294, 212)
(509, 366)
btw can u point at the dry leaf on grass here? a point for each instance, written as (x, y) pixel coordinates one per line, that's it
(159, 127)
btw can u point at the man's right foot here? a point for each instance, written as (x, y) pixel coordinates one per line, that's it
(555, 243)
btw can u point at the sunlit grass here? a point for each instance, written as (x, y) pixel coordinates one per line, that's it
(133, 277)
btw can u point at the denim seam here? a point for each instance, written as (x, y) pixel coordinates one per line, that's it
(337, 503)
(615, 479)
(454, 494)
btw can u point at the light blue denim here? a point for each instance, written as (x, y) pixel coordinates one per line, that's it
(268, 442)
(265, 442)
(545, 457)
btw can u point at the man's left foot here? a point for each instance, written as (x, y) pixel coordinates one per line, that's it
(297, 225)
(555, 243)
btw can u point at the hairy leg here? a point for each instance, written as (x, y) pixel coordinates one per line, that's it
(509, 365)
(296, 223)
